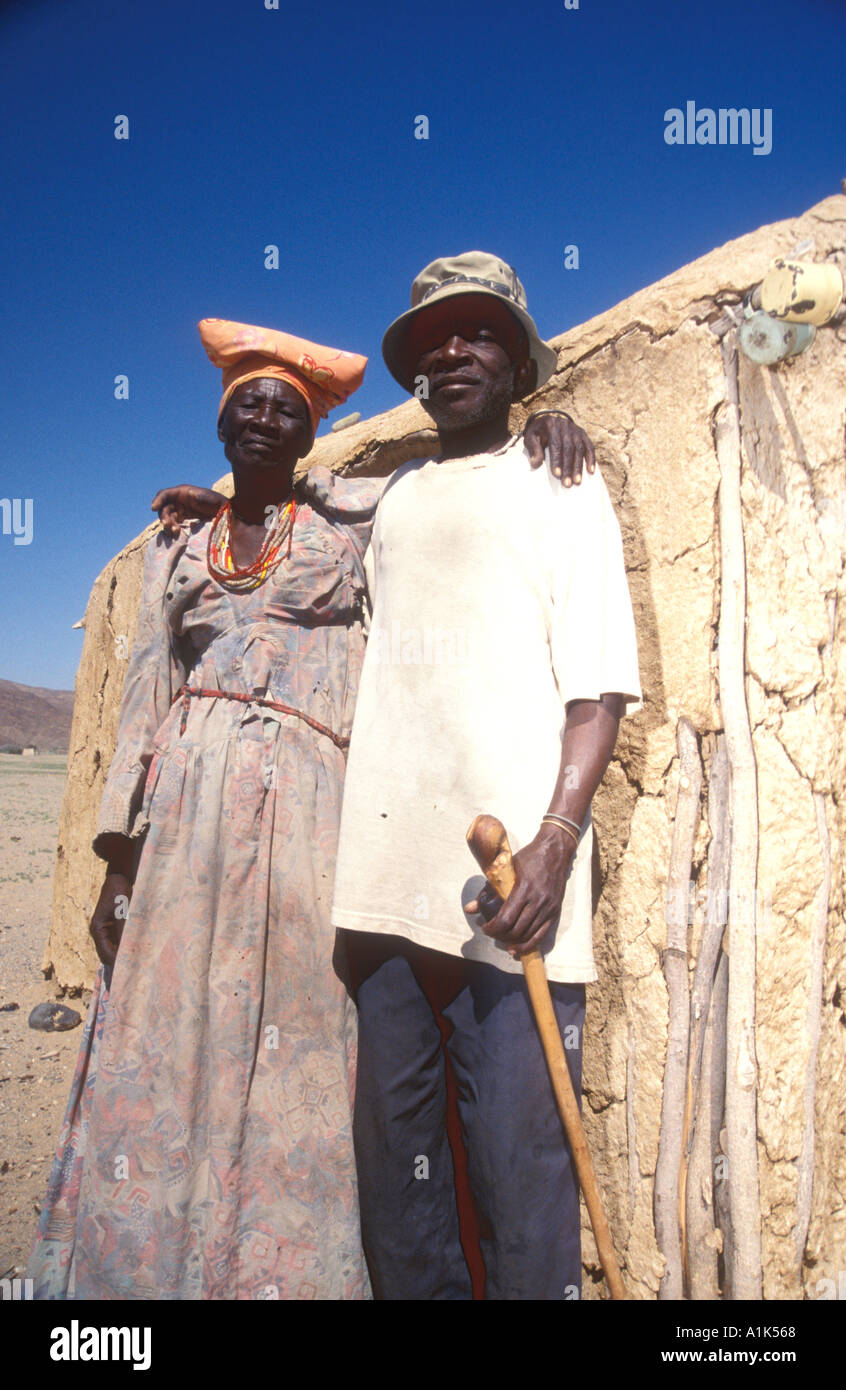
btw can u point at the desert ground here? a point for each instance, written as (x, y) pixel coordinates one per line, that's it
(35, 1068)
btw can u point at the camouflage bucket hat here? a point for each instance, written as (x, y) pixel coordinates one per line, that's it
(473, 272)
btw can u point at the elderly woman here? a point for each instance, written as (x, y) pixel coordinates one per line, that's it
(206, 1151)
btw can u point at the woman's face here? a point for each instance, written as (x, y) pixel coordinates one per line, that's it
(266, 425)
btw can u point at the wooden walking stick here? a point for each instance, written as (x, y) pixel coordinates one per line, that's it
(489, 845)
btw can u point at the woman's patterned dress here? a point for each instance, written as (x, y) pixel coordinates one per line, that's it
(207, 1150)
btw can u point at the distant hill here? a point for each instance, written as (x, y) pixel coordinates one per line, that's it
(29, 714)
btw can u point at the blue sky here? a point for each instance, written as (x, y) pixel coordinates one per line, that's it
(295, 127)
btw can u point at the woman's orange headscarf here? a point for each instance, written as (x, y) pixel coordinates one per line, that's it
(325, 377)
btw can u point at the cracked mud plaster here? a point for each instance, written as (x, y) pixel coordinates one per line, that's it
(645, 380)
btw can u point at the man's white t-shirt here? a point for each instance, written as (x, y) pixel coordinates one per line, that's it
(497, 597)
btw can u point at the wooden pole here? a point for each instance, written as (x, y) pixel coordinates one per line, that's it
(489, 844)
(704, 1108)
(741, 1061)
(668, 1198)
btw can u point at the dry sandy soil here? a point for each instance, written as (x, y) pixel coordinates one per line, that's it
(35, 1068)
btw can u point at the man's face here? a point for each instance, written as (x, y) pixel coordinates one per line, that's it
(474, 355)
(265, 424)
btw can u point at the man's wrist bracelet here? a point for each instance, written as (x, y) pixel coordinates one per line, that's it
(536, 413)
(562, 824)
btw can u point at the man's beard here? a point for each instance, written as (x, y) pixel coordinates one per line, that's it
(453, 417)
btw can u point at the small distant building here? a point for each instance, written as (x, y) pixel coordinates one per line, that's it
(29, 751)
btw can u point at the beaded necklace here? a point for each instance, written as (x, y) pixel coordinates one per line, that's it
(219, 558)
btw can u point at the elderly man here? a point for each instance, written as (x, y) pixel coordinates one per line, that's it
(501, 656)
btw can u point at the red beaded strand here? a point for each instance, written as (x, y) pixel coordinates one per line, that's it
(221, 562)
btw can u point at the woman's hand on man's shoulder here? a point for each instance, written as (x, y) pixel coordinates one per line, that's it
(569, 448)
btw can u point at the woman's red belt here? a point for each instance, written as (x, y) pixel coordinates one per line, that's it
(188, 691)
